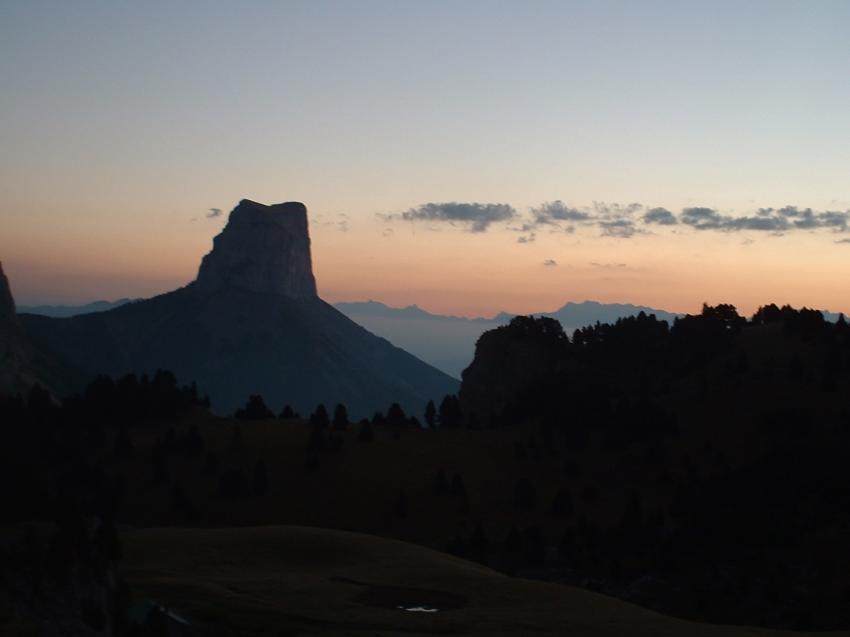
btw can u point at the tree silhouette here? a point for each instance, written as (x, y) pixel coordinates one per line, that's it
(395, 415)
(450, 415)
(319, 418)
(340, 421)
(431, 414)
(254, 409)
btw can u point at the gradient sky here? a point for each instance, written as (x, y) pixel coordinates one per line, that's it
(122, 125)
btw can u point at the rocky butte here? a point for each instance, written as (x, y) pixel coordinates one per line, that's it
(251, 322)
(263, 249)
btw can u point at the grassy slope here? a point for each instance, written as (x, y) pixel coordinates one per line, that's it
(282, 581)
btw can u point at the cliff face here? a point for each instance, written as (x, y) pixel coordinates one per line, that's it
(263, 249)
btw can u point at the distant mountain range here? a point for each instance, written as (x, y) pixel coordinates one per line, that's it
(64, 311)
(448, 342)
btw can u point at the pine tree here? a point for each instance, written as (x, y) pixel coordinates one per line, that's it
(395, 415)
(254, 409)
(431, 414)
(319, 418)
(340, 421)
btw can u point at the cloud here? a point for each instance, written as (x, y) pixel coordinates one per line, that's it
(835, 220)
(758, 223)
(701, 218)
(620, 228)
(660, 216)
(605, 210)
(613, 220)
(340, 222)
(608, 266)
(476, 216)
(767, 220)
(550, 263)
(214, 212)
(554, 211)
(621, 221)
(842, 241)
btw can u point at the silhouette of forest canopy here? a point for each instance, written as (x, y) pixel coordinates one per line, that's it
(613, 370)
(694, 468)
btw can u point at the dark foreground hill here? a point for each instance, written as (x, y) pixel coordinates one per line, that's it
(300, 580)
(290, 580)
(251, 323)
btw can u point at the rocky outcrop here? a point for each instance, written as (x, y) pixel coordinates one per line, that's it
(507, 361)
(263, 249)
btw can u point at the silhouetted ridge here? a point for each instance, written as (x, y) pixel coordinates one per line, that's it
(7, 302)
(262, 249)
(251, 323)
(22, 362)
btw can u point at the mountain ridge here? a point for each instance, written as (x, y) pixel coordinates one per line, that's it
(251, 323)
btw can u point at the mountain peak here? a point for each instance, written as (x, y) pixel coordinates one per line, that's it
(262, 249)
(7, 302)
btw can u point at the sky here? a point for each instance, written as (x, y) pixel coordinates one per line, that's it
(470, 157)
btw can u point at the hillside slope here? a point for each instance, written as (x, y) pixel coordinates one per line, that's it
(301, 580)
(236, 342)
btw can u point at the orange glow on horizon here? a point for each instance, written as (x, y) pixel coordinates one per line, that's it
(447, 270)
